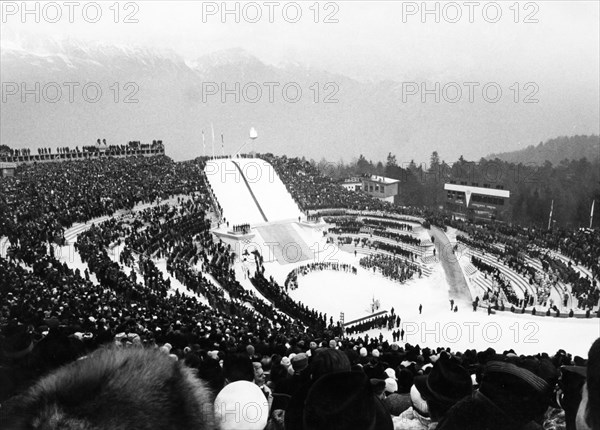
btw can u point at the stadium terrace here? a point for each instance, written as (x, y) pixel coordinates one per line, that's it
(137, 292)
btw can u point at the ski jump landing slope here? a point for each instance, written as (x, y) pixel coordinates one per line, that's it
(239, 207)
(249, 191)
(282, 242)
(271, 193)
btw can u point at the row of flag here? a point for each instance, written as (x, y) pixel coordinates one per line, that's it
(552, 210)
(213, 142)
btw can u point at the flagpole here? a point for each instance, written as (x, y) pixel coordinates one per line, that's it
(222, 145)
(203, 145)
(550, 217)
(592, 213)
(213, 139)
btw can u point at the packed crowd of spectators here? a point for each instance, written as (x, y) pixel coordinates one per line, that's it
(394, 268)
(385, 321)
(132, 148)
(385, 224)
(291, 281)
(310, 376)
(513, 245)
(311, 383)
(44, 199)
(503, 287)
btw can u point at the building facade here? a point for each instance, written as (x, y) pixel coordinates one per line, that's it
(381, 187)
(7, 169)
(472, 201)
(352, 184)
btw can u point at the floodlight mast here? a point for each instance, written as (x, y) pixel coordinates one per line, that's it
(253, 136)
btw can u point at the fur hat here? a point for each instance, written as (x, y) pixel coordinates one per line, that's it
(241, 405)
(118, 388)
(397, 403)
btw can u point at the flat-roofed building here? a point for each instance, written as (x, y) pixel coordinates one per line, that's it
(472, 201)
(352, 184)
(381, 187)
(7, 169)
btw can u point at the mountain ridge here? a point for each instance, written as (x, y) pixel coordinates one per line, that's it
(334, 116)
(554, 151)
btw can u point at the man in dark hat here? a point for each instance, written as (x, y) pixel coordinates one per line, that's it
(301, 375)
(326, 361)
(433, 394)
(446, 384)
(344, 401)
(513, 394)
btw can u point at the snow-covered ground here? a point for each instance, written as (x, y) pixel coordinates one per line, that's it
(236, 200)
(271, 193)
(334, 292)
(232, 193)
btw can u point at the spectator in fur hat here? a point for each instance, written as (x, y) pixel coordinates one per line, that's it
(117, 389)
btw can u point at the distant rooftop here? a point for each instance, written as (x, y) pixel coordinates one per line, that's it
(383, 179)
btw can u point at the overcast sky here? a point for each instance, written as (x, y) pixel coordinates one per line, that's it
(552, 44)
(369, 41)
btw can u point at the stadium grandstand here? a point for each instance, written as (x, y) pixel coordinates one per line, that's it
(121, 270)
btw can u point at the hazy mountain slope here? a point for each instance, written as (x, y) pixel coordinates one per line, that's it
(371, 118)
(555, 150)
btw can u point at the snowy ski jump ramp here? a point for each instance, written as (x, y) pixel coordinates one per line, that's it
(249, 191)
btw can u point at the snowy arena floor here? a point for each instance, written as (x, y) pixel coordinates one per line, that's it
(334, 292)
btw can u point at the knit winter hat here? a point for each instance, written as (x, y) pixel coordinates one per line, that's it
(390, 373)
(300, 362)
(391, 386)
(241, 405)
